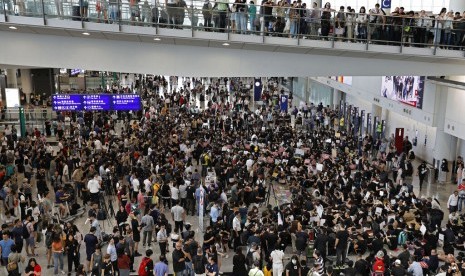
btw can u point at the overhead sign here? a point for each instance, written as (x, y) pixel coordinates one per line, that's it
(126, 102)
(386, 4)
(67, 102)
(95, 102)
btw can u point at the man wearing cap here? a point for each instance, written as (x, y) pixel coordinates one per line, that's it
(398, 269)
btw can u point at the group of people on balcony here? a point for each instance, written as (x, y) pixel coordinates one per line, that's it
(287, 19)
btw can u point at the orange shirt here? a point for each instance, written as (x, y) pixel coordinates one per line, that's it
(57, 246)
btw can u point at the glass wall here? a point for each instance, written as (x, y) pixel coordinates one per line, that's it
(320, 93)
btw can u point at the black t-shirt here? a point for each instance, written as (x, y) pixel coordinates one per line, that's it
(293, 269)
(177, 265)
(343, 237)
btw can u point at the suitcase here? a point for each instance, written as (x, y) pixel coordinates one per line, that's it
(76, 13)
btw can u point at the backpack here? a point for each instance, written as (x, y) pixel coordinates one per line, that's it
(101, 215)
(26, 233)
(143, 266)
(48, 239)
(402, 238)
(199, 267)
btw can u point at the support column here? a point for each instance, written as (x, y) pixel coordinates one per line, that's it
(337, 96)
(376, 110)
(445, 146)
(11, 78)
(384, 116)
(26, 83)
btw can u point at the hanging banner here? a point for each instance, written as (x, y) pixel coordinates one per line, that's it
(283, 103)
(257, 89)
(399, 140)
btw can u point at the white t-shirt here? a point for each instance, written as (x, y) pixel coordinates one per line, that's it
(174, 193)
(98, 144)
(147, 184)
(177, 212)
(93, 186)
(277, 256)
(135, 185)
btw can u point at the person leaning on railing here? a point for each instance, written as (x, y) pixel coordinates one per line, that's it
(423, 24)
(362, 19)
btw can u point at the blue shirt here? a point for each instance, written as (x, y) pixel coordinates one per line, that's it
(214, 213)
(213, 268)
(160, 269)
(6, 247)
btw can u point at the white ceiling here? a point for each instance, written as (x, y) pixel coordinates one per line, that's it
(268, 49)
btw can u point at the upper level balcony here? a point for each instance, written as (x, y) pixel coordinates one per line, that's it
(271, 29)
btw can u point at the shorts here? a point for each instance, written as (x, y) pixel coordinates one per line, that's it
(83, 3)
(30, 241)
(233, 16)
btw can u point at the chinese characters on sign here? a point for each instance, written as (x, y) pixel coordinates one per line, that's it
(96, 102)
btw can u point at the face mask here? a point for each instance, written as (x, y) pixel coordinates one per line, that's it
(294, 261)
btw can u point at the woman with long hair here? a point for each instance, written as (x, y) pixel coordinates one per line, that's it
(33, 268)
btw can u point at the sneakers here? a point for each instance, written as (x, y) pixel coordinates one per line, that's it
(62, 272)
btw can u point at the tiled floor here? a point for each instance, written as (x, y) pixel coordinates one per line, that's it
(440, 191)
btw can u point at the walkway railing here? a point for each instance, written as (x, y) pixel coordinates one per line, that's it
(373, 27)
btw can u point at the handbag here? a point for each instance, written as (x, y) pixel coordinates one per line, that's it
(12, 266)
(340, 31)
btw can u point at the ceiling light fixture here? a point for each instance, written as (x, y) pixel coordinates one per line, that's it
(157, 39)
(225, 44)
(13, 28)
(85, 33)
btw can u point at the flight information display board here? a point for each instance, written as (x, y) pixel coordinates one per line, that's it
(126, 102)
(96, 102)
(67, 102)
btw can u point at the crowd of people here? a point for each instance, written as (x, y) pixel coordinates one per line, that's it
(264, 186)
(286, 18)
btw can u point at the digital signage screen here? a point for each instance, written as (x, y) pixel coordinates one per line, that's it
(126, 102)
(405, 89)
(96, 102)
(67, 102)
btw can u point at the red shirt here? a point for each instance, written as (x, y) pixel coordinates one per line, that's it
(37, 269)
(123, 262)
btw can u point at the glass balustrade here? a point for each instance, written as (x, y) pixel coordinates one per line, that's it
(413, 30)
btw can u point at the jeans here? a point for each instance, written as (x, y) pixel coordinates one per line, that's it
(461, 202)
(437, 36)
(144, 238)
(189, 269)
(180, 273)
(294, 27)
(57, 260)
(241, 22)
(341, 254)
(190, 202)
(162, 247)
(114, 12)
(252, 23)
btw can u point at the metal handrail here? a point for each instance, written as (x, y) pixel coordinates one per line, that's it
(283, 21)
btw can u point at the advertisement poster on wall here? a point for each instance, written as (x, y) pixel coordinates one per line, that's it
(405, 89)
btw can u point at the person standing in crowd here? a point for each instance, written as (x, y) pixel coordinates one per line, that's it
(162, 239)
(179, 260)
(342, 239)
(453, 201)
(161, 267)
(147, 225)
(179, 216)
(421, 172)
(277, 257)
(57, 252)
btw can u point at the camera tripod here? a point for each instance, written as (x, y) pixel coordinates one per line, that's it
(109, 211)
(271, 192)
